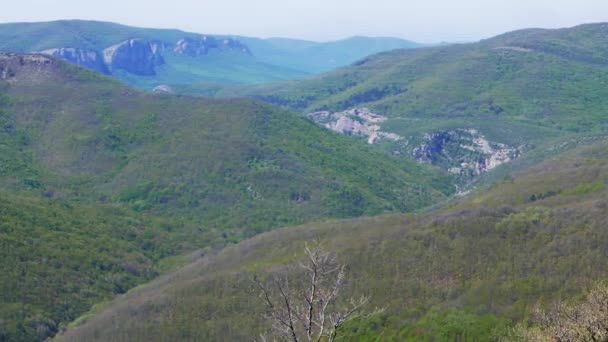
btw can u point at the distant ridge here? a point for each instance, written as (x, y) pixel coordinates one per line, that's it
(171, 57)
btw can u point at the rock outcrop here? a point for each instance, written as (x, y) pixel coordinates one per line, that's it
(33, 68)
(90, 59)
(141, 57)
(163, 89)
(205, 44)
(463, 152)
(135, 56)
(357, 121)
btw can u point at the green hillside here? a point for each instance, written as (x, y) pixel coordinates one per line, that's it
(466, 272)
(101, 183)
(520, 88)
(104, 187)
(228, 163)
(269, 59)
(60, 258)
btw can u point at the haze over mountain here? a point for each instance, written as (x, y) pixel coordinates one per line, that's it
(151, 57)
(429, 21)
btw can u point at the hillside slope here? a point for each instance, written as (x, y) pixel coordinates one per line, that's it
(101, 183)
(228, 163)
(517, 91)
(466, 271)
(58, 259)
(176, 57)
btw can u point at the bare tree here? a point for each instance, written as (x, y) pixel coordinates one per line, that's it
(305, 311)
(586, 321)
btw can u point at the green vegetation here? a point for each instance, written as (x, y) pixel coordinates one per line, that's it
(522, 88)
(58, 259)
(436, 325)
(468, 271)
(223, 163)
(271, 60)
(103, 186)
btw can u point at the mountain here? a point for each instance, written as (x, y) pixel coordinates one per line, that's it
(150, 57)
(313, 57)
(101, 184)
(467, 271)
(499, 98)
(119, 185)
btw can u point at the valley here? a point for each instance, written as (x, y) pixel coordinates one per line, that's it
(215, 171)
(465, 270)
(149, 177)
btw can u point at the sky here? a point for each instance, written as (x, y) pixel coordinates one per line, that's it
(428, 21)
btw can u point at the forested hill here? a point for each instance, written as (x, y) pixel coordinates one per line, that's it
(469, 271)
(101, 183)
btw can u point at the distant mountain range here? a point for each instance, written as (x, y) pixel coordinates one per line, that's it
(151, 57)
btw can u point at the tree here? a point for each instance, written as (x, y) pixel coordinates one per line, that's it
(305, 309)
(587, 321)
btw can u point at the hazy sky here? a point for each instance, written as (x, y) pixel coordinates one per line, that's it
(421, 20)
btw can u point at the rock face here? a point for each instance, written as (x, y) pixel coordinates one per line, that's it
(136, 56)
(357, 121)
(463, 152)
(90, 59)
(141, 57)
(203, 45)
(33, 68)
(163, 89)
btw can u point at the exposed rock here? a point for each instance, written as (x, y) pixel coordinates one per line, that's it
(158, 47)
(463, 152)
(90, 59)
(135, 56)
(163, 89)
(357, 121)
(513, 48)
(33, 67)
(204, 44)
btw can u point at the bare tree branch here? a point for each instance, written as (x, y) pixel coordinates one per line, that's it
(304, 311)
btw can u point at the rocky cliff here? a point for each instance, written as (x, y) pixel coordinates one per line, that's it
(205, 44)
(356, 121)
(135, 56)
(36, 65)
(141, 57)
(90, 59)
(463, 152)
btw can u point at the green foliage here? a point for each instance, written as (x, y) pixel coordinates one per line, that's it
(58, 259)
(466, 272)
(522, 88)
(130, 179)
(436, 325)
(586, 188)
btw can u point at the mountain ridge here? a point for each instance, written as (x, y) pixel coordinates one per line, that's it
(239, 59)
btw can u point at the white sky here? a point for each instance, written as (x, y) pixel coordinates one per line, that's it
(420, 20)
